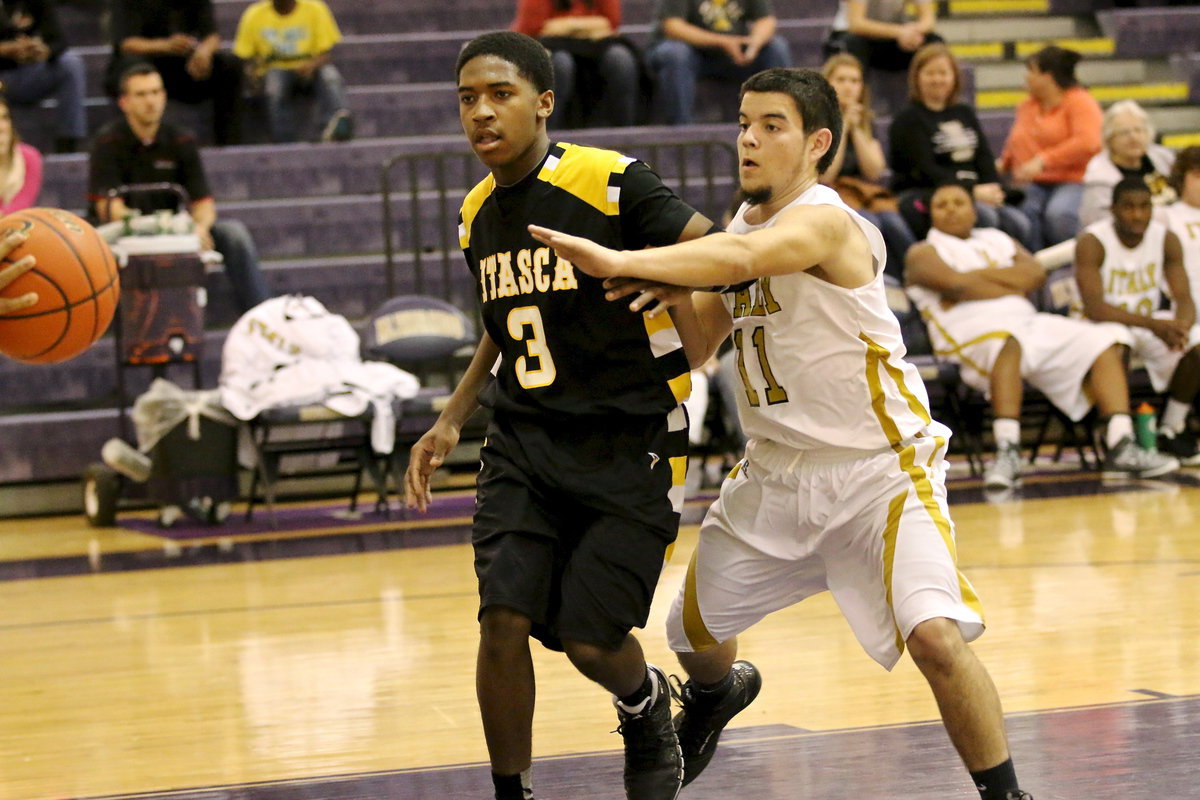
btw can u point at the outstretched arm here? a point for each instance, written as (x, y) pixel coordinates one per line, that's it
(802, 238)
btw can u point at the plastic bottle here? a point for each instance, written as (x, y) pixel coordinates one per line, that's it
(1146, 426)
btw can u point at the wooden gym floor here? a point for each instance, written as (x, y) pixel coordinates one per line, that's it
(287, 666)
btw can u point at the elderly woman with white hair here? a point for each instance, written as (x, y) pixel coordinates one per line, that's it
(1129, 151)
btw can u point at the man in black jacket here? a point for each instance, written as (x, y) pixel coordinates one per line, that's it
(35, 63)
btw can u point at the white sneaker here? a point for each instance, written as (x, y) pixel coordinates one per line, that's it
(1126, 458)
(1005, 471)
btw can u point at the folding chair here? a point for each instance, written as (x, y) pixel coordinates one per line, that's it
(432, 339)
(311, 441)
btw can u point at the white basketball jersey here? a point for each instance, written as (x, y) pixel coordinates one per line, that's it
(822, 366)
(1132, 278)
(1185, 221)
(984, 248)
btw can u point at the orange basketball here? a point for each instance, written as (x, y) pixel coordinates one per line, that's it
(75, 278)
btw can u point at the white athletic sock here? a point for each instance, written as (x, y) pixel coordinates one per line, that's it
(527, 782)
(1007, 431)
(1174, 416)
(1119, 426)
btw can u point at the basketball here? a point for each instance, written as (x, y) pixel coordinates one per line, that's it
(76, 281)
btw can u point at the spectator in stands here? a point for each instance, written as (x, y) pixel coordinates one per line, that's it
(1184, 215)
(179, 37)
(971, 285)
(1121, 263)
(1055, 134)
(882, 36)
(289, 44)
(698, 39)
(35, 64)
(1129, 151)
(859, 166)
(20, 167)
(141, 148)
(937, 139)
(597, 74)
(11, 272)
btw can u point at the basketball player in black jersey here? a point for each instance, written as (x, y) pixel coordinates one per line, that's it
(583, 466)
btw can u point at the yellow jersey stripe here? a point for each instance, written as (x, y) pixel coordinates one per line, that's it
(877, 356)
(470, 207)
(575, 172)
(681, 387)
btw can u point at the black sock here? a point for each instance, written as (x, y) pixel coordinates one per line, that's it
(720, 687)
(512, 787)
(643, 692)
(997, 782)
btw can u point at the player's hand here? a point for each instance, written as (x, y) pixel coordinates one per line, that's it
(428, 454)
(14, 271)
(1173, 332)
(661, 295)
(586, 255)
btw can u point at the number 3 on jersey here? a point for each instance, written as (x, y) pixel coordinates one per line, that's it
(525, 325)
(775, 392)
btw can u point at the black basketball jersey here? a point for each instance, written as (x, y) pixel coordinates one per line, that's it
(565, 349)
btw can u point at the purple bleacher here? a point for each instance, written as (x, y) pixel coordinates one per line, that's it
(1188, 66)
(1151, 32)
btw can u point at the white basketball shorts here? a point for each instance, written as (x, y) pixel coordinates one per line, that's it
(1160, 361)
(872, 528)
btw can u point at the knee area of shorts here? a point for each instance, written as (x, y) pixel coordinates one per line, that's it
(935, 642)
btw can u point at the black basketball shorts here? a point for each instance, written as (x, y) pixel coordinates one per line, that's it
(572, 522)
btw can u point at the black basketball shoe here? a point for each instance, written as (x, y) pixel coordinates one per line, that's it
(704, 716)
(653, 761)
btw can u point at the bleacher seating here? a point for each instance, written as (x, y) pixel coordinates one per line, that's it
(315, 209)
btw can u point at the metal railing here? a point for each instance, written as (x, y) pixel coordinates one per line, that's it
(421, 249)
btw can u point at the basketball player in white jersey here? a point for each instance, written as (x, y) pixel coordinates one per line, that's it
(1121, 264)
(971, 285)
(842, 487)
(1184, 214)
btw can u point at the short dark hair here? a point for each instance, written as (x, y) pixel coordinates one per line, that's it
(1135, 183)
(815, 99)
(133, 71)
(531, 59)
(1187, 160)
(952, 184)
(1059, 62)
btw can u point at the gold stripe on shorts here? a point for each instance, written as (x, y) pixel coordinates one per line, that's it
(890, 532)
(693, 623)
